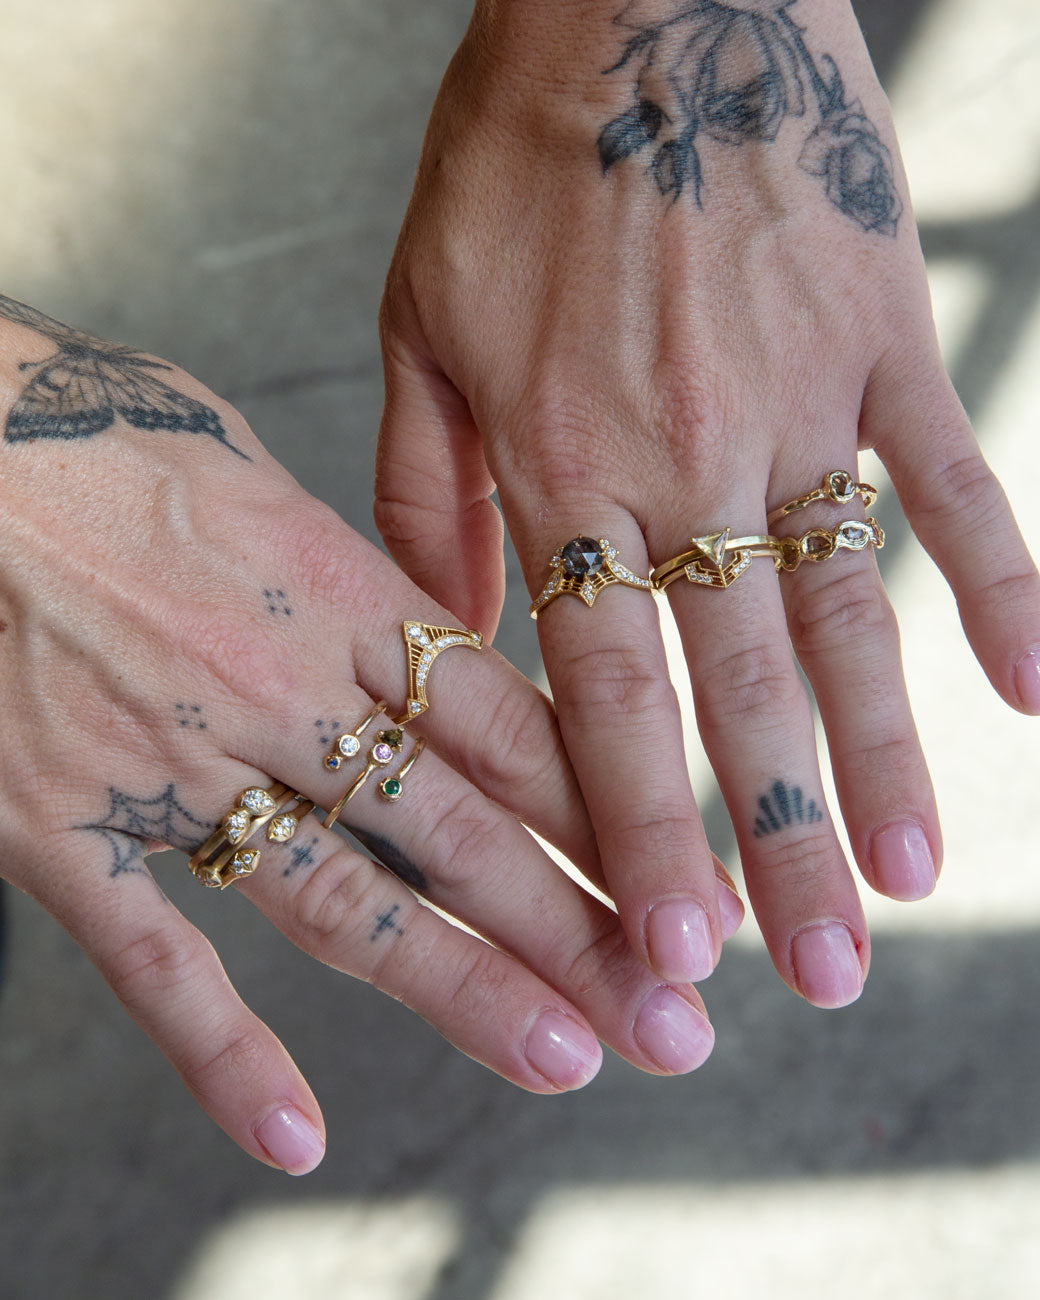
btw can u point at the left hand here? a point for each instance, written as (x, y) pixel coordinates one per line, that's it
(672, 337)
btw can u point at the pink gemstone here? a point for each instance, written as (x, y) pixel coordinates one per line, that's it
(382, 753)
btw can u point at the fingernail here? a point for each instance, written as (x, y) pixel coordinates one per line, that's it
(902, 862)
(562, 1051)
(291, 1140)
(826, 965)
(1027, 680)
(731, 909)
(672, 1033)
(679, 941)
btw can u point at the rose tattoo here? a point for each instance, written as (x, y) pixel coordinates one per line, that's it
(734, 72)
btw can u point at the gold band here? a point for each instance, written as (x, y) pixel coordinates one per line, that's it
(224, 858)
(423, 644)
(583, 567)
(707, 564)
(819, 544)
(838, 487)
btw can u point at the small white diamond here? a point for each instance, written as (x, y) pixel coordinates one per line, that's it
(414, 706)
(414, 631)
(348, 745)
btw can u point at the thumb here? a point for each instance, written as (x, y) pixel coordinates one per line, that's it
(433, 490)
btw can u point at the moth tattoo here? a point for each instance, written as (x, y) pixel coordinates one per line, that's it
(87, 384)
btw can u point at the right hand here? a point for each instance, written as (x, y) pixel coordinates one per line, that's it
(180, 621)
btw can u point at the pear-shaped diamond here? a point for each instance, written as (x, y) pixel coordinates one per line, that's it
(282, 829)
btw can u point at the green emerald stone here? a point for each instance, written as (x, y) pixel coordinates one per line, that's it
(391, 787)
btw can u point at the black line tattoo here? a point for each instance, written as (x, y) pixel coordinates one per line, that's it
(732, 73)
(130, 820)
(82, 388)
(190, 715)
(276, 602)
(386, 922)
(390, 856)
(300, 855)
(784, 806)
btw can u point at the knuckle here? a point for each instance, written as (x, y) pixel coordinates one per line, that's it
(400, 523)
(1006, 596)
(464, 838)
(666, 839)
(534, 751)
(885, 762)
(557, 425)
(605, 962)
(479, 979)
(243, 1056)
(233, 655)
(800, 862)
(850, 606)
(626, 680)
(755, 685)
(316, 548)
(689, 411)
(160, 965)
(964, 486)
(327, 909)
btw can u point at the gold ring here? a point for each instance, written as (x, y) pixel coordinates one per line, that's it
(819, 544)
(423, 644)
(388, 743)
(349, 744)
(708, 564)
(583, 567)
(839, 487)
(224, 857)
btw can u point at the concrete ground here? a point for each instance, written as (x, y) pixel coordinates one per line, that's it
(222, 183)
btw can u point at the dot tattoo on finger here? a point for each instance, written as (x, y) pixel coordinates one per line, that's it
(190, 715)
(277, 603)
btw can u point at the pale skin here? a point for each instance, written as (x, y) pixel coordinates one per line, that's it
(659, 275)
(179, 622)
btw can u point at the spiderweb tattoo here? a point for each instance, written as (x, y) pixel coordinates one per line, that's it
(131, 821)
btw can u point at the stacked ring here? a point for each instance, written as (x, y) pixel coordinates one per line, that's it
(718, 559)
(381, 754)
(707, 564)
(224, 858)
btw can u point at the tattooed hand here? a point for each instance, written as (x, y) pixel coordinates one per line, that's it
(180, 622)
(658, 276)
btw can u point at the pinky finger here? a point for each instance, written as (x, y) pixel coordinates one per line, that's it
(958, 510)
(169, 978)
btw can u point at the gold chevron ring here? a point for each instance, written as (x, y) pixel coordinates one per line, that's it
(716, 560)
(583, 567)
